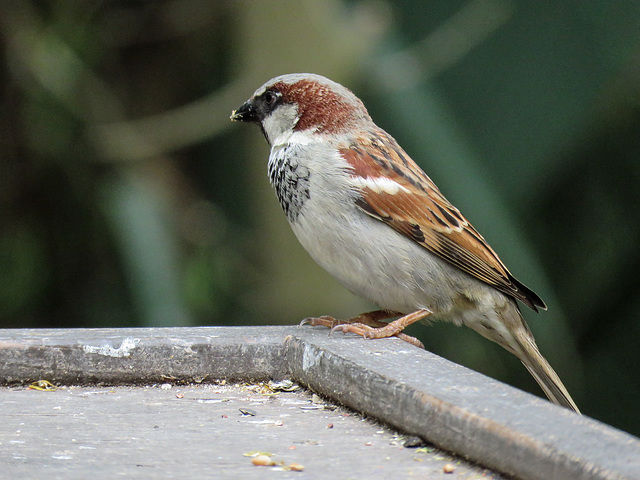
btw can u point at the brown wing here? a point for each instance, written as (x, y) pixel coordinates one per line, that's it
(412, 204)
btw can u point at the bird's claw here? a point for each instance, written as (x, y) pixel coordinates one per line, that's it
(323, 321)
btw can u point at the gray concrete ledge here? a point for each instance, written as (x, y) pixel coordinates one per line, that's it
(413, 390)
(197, 431)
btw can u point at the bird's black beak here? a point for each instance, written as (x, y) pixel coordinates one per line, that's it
(246, 113)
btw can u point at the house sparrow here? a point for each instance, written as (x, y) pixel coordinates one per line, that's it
(375, 221)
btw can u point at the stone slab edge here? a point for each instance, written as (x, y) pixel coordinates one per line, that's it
(415, 391)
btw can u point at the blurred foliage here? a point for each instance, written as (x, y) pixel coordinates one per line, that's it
(128, 198)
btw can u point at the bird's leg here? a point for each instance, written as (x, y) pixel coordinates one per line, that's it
(369, 325)
(367, 330)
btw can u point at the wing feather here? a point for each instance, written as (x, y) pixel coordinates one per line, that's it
(416, 208)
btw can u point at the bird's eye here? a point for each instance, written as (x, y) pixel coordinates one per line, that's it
(270, 98)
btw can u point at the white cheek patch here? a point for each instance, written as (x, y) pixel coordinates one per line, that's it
(279, 124)
(379, 185)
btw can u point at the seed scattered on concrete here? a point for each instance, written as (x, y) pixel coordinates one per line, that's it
(262, 461)
(296, 467)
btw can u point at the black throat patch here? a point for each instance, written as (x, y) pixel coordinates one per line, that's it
(291, 182)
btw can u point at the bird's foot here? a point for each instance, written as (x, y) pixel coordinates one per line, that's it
(368, 325)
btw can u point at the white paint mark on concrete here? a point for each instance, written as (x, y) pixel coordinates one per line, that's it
(124, 350)
(310, 357)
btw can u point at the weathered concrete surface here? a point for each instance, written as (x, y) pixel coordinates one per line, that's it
(149, 432)
(413, 390)
(463, 411)
(141, 355)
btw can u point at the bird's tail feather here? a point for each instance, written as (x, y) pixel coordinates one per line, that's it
(514, 335)
(543, 373)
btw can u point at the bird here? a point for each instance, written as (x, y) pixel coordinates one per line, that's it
(373, 219)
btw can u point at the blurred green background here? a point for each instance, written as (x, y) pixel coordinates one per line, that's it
(128, 198)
